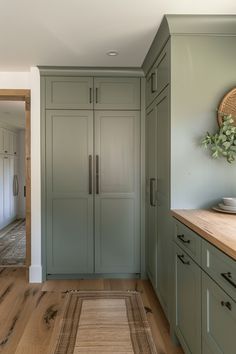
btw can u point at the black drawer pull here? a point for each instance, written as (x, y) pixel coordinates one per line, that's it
(181, 258)
(227, 304)
(228, 277)
(181, 238)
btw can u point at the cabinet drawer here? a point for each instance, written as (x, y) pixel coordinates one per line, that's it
(218, 319)
(69, 92)
(220, 267)
(117, 93)
(158, 77)
(188, 240)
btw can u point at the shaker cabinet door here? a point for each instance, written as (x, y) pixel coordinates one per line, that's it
(69, 147)
(187, 302)
(151, 195)
(117, 192)
(218, 319)
(121, 93)
(69, 92)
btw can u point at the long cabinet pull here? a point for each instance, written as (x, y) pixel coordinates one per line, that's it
(181, 258)
(97, 174)
(90, 95)
(228, 277)
(90, 175)
(96, 94)
(152, 192)
(152, 82)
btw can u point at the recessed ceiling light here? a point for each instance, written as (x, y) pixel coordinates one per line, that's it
(112, 53)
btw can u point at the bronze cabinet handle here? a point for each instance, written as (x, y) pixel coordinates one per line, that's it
(96, 94)
(227, 304)
(228, 277)
(181, 238)
(97, 174)
(90, 95)
(152, 82)
(90, 175)
(181, 258)
(152, 192)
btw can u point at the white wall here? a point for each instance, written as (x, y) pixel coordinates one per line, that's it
(31, 80)
(36, 263)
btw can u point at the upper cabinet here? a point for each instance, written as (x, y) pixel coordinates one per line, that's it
(8, 142)
(158, 77)
(120, 93)
(69, 92)
(117, 93)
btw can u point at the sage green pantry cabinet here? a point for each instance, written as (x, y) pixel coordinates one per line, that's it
(92, 175)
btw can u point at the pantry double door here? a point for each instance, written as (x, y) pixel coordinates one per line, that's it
(92, 191)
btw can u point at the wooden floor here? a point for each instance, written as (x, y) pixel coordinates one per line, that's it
(30, 313)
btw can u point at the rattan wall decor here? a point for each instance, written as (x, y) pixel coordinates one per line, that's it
(227, 106)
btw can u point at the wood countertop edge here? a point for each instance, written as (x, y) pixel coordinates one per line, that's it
(205, 234)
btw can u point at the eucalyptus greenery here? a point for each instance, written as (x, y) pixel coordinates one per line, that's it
(222, 143)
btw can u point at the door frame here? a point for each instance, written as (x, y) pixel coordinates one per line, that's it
(24, 96)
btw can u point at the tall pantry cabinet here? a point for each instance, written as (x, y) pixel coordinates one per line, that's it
(92, 174)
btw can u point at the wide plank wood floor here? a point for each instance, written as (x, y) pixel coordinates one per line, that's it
(30, 313)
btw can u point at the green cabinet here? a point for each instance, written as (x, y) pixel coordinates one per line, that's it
(117, 192)
(159, 76)
(151, 215)
(158, 219)
(69, 201)
(69, 92)
(187, 302)
(117, 93)
(218, 319)
(92, 175)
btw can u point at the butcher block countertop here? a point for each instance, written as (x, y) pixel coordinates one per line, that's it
(217, 228)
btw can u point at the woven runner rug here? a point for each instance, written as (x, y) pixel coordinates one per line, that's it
(13, 246)
(104, 322)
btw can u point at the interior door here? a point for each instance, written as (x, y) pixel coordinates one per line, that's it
(117, 192)
(69, 150)
(7, 189)
(1, 190)
(151, 138)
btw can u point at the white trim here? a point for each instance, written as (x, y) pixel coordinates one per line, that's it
(35, 274)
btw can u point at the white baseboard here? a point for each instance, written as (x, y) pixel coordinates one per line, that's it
(35, 274)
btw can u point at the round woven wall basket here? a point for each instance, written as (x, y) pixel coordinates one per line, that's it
(227, 106)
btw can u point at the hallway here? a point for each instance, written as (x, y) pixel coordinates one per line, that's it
(13, 244)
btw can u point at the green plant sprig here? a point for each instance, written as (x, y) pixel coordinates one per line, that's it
(222, 143)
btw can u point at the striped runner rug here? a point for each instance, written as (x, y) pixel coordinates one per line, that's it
(104, 322)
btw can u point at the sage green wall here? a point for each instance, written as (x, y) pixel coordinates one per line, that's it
(202, 71)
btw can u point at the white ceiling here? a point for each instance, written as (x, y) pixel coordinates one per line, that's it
(12, 114)
(80, 32)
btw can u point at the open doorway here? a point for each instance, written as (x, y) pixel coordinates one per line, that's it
(14, 178)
